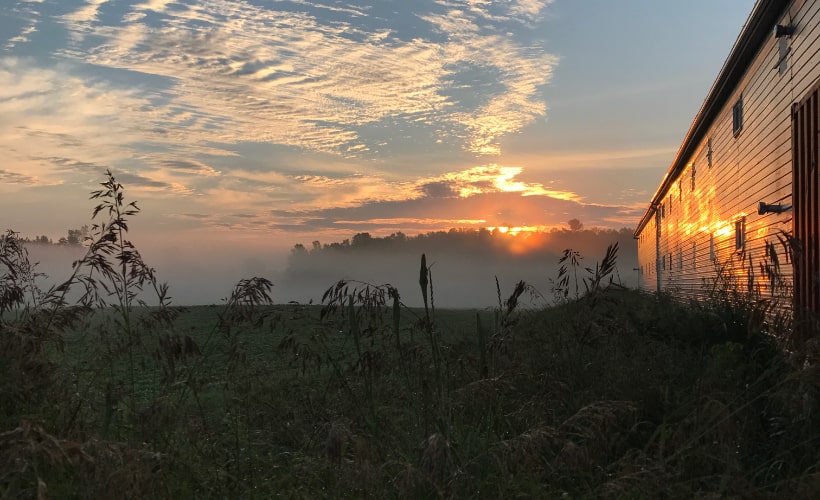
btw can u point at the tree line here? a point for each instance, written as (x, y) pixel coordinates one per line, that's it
(73, 238)
(473, 241)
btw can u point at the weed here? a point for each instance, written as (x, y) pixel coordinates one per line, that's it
(612, 394)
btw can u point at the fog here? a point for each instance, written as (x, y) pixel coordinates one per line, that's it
(198, 274)
(463, 267)
(457, 281)
(54, 261)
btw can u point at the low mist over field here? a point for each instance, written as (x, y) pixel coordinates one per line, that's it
(199, 273)
(464, 264)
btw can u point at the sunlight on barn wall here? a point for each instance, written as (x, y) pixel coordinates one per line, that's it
(705, 219)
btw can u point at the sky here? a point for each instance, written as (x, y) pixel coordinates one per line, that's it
(243, 127)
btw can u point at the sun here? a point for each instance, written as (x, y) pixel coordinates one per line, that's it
(514, 230)
(520, 239)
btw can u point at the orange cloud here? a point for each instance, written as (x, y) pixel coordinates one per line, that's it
(494, 178)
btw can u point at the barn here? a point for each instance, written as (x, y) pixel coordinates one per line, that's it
(739, 203)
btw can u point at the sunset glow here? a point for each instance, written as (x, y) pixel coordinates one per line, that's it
(516, 230)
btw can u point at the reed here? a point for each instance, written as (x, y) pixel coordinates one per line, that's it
(609, 393)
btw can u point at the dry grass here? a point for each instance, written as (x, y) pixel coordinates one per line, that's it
(615, 394)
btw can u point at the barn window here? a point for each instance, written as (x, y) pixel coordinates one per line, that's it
(740, 234)
(693, 177)
(711, 247)
(737, 116)
(709, 152)
(694, 255)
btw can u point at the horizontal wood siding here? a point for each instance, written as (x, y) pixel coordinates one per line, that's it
(647, 261)
(699, 217)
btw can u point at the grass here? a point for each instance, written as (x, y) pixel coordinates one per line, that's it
(611, 393)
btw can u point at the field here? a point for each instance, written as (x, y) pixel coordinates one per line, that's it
(619, 394)
(611, 394)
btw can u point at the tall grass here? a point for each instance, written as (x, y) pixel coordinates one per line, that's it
(609, 393)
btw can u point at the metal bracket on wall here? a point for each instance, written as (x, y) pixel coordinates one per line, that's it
(764, 208)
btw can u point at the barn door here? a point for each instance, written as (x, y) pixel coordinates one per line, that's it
(805, 145)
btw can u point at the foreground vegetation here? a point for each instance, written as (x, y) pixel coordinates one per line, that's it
(613, 393)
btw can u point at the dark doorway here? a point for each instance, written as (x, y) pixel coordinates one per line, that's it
(805, 146)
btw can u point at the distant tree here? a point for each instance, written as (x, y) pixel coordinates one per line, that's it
(575, 224)
(362, 239)
(316, 245)
(298, 249)
(75, 237)
(398, 236)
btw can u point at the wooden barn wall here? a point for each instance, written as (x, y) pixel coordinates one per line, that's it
(647, 256)
(701, 211)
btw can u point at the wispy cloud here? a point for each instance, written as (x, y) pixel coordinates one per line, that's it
(27, 17)
(16, 178)
(88, 12)
(283, 74)
(48, 114)
(169, 94)
(188, 167)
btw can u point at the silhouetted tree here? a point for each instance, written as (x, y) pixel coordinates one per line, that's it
(398, 237)
(75, 237)
(362, 239)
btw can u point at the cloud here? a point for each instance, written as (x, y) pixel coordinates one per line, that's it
(174, 96)
(285, 74)
(495, 178)
(423, 214)
(27, 17)
(189, 167)
(141, 181)
(274, 202)
(485, 196)
(438, 189)
(8, 177)
(312, 191)
(88, 11)
(132, 180)
(53, 121)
